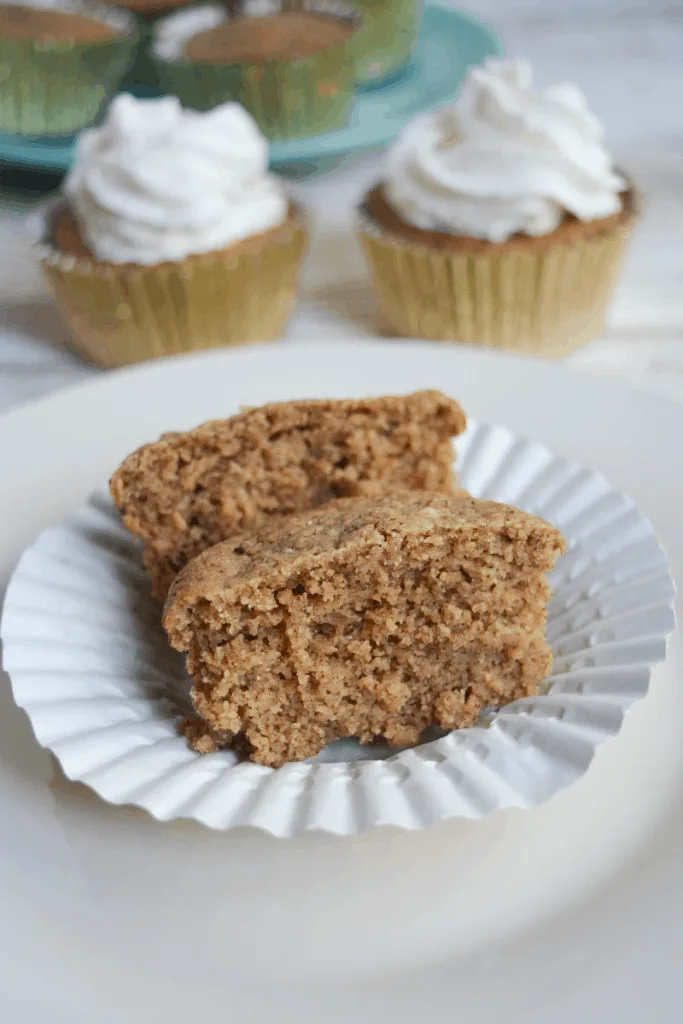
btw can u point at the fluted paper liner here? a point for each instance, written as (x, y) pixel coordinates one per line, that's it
(287, 98)
(59, 87)
(90, 664)
(120, 314)
(547, 301)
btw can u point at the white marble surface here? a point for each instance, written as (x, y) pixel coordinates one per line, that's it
(626, 57)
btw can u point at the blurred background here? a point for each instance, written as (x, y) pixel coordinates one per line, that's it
(623, 54)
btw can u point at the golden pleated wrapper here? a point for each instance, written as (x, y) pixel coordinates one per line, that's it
(546, 300)
(122, 313)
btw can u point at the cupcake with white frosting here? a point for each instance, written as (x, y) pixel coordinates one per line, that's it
(171, 234)
(501, 219)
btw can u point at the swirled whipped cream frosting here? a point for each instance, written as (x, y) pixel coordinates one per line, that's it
(503, 158)
(156, 183)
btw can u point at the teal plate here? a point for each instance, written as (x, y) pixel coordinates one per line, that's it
(448, 43)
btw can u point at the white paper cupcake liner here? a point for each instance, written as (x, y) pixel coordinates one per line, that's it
(90, 665)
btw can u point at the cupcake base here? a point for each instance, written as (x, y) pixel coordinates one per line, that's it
(546, 296)
(124, 313)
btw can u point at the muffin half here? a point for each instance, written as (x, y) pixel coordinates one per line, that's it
(368, 617)
(186, 492)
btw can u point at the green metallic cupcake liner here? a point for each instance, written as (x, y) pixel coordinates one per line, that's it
(57, 88)
(386, 37)
(287, 98)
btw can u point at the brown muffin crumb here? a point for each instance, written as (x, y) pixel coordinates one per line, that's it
(369, 617)
(189, 491)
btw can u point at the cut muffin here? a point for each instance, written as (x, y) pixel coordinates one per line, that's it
(369, 617)
(189, 491)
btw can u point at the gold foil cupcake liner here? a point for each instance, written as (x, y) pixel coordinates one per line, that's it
(287, 98)
(59, 87)
(546, 301)
(121, 314)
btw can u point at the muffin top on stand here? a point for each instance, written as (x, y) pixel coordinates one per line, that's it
(50, 24)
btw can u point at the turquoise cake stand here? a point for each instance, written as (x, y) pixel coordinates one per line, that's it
(448, 43)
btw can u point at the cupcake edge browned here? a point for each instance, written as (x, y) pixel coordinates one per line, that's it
(380, 213)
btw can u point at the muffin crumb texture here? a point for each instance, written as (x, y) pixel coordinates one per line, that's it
(189, 491)
(368, 617)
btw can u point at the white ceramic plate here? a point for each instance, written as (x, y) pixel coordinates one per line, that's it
(570, 911)
(91, 666)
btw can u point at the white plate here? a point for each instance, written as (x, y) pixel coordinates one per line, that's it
(90, 664)
(571, 911)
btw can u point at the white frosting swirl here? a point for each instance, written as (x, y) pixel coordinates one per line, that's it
(156, 183)
(503, 158)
